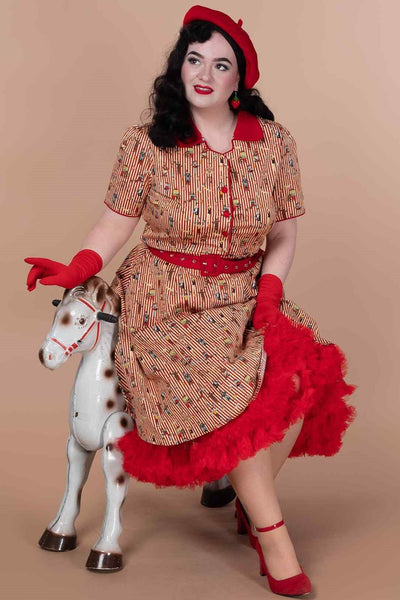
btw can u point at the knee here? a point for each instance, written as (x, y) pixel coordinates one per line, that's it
(296, 381)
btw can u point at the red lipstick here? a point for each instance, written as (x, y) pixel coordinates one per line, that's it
(200, 89)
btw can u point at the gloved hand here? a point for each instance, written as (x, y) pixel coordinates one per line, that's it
(270, 290)
(83, 265)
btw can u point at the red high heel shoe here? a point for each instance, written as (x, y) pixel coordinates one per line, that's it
(243, 523)
(297, 585)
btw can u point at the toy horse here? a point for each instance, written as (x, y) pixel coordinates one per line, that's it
(86, 321)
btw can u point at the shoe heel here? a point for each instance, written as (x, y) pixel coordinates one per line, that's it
(243, 524)
(297, 585)
(263, 572)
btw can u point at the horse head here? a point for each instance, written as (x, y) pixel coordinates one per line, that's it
(78, 319)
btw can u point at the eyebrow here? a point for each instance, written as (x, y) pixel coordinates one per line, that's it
(215, 59)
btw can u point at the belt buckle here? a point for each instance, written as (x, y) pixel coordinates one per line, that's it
(212, 266)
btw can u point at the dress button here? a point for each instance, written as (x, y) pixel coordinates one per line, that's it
(224, 189)
(225, 233)
(226, 213)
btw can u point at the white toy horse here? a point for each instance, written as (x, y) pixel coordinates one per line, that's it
(86, 321)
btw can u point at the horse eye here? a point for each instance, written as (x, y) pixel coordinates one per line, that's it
(55, 302)
(82, 321)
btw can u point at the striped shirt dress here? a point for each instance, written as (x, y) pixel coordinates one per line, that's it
(204, 387)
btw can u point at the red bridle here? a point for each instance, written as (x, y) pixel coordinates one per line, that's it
(74, 345)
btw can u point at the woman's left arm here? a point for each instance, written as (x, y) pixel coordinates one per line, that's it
(280, 249)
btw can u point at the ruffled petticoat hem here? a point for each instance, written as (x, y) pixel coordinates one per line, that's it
(319, 397)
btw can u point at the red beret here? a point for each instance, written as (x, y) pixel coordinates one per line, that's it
(235, 31)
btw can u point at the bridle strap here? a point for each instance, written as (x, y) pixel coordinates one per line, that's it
(97, 324)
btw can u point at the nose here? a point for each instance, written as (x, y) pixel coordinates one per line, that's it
(206, 73)
(41, 357)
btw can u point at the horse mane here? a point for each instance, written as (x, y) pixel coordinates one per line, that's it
(98, 290)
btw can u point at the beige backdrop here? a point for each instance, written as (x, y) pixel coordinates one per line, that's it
(74, 75)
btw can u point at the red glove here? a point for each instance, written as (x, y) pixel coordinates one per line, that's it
(270, 290)
(83, 265)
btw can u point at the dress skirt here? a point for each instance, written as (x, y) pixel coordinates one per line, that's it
(302, 376)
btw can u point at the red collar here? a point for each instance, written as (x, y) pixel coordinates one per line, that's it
(247, 128)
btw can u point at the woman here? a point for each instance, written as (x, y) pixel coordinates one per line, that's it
(215, 364)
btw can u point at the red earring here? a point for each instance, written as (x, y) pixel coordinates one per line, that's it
(235, 102)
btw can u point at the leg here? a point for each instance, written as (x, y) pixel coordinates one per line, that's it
(106, 554)
(61, 533)
(281, 450)
(253, 481)
(212, 496)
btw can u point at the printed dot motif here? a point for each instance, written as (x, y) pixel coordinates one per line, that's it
(188, 359)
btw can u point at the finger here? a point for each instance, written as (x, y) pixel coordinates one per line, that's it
(52, 280)
(51, 266)
(34, 260)
(34, 274)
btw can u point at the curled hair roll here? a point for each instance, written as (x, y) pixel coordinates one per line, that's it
(168, 106)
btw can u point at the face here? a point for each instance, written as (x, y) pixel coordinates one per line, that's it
(209, 72)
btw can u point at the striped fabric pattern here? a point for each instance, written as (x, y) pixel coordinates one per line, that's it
(187, 356)
(198, 201)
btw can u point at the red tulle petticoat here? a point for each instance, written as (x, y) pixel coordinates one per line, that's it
(320, 399)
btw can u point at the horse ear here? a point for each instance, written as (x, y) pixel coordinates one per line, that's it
(55, 302)
(101, 292)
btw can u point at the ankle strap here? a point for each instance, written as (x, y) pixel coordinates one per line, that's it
(271, 526)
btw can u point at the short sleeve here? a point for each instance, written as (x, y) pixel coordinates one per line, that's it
(288, 192)
(131, 175)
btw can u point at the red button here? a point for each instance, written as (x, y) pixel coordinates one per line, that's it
(224, 189)
(225, 233)
(226, 213)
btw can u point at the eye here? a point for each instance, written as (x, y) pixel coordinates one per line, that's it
(191, 58)
(81, 320)
(224, 67)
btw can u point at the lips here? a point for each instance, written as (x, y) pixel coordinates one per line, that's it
(200, 89)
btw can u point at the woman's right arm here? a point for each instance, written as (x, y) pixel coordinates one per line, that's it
(126, 194)
(109, 234)
(104, 240)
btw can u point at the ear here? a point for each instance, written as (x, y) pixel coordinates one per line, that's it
(100, 293)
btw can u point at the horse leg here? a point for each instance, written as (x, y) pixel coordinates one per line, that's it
(217, 493)
(106, 554)
(60, 534)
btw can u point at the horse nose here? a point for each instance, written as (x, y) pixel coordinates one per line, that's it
(41, 357)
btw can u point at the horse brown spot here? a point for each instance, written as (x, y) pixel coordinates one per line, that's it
(109, 447)
(124, 422)
(66, 319)
(120, 479)
(41, 357)
(109, 372)
(110, 403)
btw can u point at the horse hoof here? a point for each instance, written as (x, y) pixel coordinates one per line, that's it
(104, 562)
(217, 498)
(56, 542)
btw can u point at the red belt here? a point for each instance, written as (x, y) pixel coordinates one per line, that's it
(208, 264)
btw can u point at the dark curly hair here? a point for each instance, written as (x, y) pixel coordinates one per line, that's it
(168, 105)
